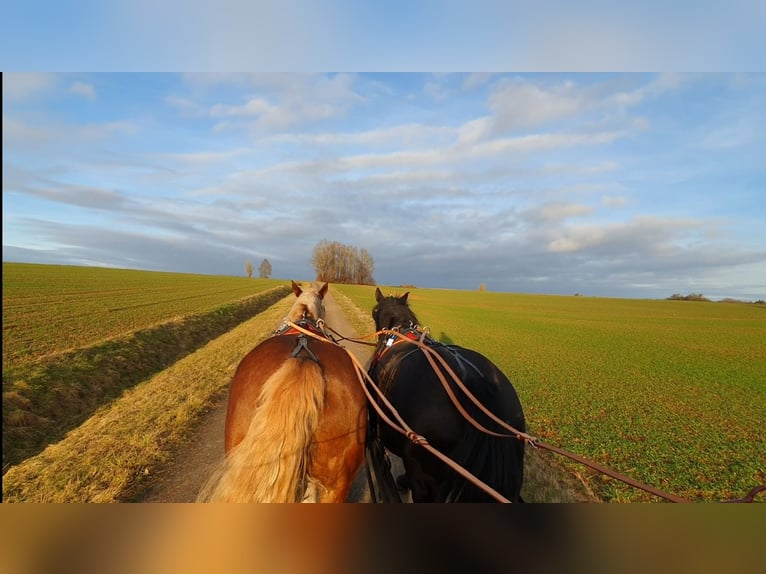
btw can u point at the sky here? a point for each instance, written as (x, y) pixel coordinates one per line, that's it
(620, 185)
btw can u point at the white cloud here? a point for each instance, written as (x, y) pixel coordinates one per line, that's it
(655, 236)
(474, 130)
(558, 211)
(83, 89)
(520, 103)
(253, 107)
(282, 101)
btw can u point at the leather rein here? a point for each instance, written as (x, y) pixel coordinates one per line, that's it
(303, 328)
(435, 360)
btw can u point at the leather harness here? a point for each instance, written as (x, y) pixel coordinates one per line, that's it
(416, 333)
(302, 344)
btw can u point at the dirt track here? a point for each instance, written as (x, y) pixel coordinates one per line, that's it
(192, 463)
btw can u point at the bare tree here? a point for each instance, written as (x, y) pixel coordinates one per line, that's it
(249, 268)
(366, 266)
(339, 263)
(265, 269)
(322, 260)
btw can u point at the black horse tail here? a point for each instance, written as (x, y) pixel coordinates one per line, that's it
(498, 462)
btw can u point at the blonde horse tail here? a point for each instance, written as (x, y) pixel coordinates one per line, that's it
(271, 463)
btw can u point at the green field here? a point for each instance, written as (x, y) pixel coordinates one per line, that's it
(50, 308)
(672, 393)
(75, 338)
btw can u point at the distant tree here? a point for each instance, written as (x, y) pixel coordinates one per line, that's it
(689, 297)
(339, 263)
(249, 268)
(265, 269)
(365, 266)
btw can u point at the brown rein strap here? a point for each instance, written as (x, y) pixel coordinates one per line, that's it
(529, 439)
(533, 441)
(404, 428)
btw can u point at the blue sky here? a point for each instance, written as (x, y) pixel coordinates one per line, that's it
(626, 185)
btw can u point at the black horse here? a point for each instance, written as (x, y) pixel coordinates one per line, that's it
(403, 373)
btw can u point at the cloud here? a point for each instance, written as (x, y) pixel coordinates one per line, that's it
(401, 135)
(557, 211)
(647, 235)
(19, 134)
(78, 195)
(518, 103)
(547, 187)
(83, 89)
(473, 81)
(276, 101)
(204, 157)
(21, 85)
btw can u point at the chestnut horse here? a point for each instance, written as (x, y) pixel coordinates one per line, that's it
(296, 419)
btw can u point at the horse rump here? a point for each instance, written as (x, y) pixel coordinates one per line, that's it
(270, 463)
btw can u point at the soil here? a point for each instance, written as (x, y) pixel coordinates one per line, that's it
(180, 479)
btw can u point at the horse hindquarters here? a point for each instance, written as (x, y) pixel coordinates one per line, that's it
(419, 396)
(270, 463)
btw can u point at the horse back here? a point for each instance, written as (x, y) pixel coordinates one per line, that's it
(418, 394)
(344, 397)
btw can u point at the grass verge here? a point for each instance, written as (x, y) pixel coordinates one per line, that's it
(110, 456)
(44, 400)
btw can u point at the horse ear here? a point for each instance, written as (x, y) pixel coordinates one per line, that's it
(323, 290)
(403, 298)
(378, 295)
(297, 290)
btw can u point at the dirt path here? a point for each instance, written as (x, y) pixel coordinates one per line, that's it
(193, 462)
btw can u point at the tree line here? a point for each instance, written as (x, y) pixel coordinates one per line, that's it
(336, 262)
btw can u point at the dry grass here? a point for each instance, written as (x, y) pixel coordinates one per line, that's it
(546, 480)
(106, 458)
